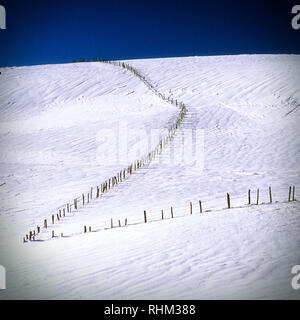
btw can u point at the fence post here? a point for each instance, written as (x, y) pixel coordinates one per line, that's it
(145, 216)
(84, 229)
(82, 199)
(126, 222)
(290, 190)
(90, 229)
(293, 193)
(249, 196)
(52, 233)
(53, 219)
(270, 193)
(200, 206)
(228, 200)
(171, 212)
(191, 208)
(257, 197)
(162, 214)
(45, 223)
(111, 223)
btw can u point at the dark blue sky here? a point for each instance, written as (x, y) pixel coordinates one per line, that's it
(45, 31)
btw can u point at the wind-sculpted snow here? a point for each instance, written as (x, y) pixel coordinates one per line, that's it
(245, 108)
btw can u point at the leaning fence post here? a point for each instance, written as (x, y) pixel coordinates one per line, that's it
(228, 200)
(290, 190)
(145, 216)
(270, 193)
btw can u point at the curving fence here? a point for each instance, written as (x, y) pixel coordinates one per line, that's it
(95, 192)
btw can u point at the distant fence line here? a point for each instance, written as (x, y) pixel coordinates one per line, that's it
(95, 192)
(199, 209)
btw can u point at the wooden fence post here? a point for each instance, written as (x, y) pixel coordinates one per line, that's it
(90, 229)
(119, 223)
(270, 194)
(145, 216)
(290, 191)
(111, 223)
(171, 212)
(228, 200)
(75, 204)
(53, 219)
(82, 199)
(249, 196)
(52, 233)
(293, 193)
(200, 206)
(45, 223)
(84, 229)
(126, 222)
(191, 208)
(162, 214)
(38, 229)
(257, 197)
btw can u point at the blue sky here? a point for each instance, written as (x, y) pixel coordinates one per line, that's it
(44, 31)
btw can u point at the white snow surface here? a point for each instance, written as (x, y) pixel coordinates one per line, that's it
(53, 120)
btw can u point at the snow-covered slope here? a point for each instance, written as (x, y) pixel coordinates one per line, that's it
(242, 109)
